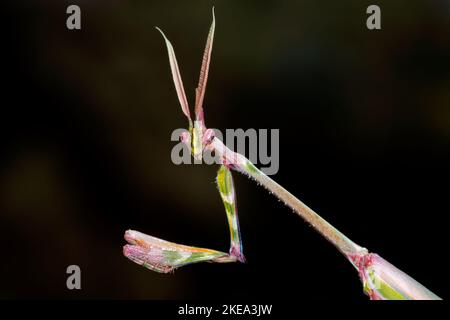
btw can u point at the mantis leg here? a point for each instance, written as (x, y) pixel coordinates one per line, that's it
(228, 194)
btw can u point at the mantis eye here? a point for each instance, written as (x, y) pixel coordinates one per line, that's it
(185, 137)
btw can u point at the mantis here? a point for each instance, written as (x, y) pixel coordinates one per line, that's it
(163, 256)
(380, 279)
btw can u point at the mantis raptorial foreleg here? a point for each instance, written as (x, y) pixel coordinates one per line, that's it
(164, 256)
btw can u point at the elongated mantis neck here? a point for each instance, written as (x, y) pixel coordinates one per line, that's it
(239, 163)
(344, 244)
(380, 279)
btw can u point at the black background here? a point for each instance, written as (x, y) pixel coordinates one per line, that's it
(86, 118)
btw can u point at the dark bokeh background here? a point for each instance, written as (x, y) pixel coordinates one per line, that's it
(86, 118)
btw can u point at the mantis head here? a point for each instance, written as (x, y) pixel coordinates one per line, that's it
(198, 137)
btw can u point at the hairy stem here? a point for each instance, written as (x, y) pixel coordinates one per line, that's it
(241, 164)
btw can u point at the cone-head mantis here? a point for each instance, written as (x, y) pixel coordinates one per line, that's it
(163, 256)
(381, 280)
